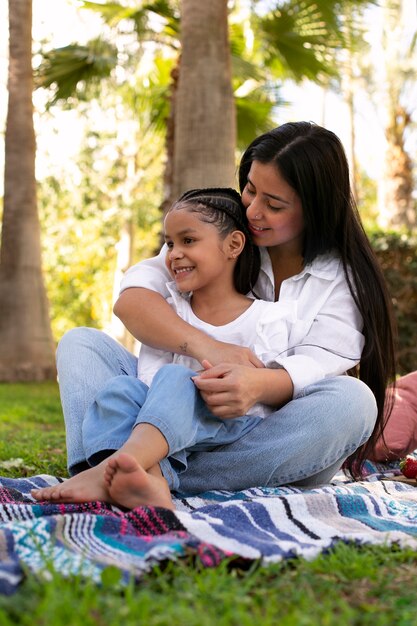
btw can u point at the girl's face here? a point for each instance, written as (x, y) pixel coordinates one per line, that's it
(273, 209)
(197, 255)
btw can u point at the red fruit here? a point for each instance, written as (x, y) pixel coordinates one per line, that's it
(408, 467)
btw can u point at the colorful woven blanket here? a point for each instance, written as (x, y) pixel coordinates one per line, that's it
(263, 524)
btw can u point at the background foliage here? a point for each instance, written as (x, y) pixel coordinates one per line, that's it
(83, 213)
(118, 87)
(397, 254)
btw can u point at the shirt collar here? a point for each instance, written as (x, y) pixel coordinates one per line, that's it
(323, 266)
(176, 294)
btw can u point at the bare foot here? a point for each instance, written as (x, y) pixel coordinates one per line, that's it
(87, 486)
(129, 485)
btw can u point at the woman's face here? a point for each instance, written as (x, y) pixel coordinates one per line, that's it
(273, 209)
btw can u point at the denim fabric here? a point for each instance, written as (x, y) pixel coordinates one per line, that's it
(305, 442)
(172, 404)
(86, 359)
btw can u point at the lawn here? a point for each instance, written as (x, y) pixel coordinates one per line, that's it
(349, 585)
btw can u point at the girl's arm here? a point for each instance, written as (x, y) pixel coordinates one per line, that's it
(149, 317)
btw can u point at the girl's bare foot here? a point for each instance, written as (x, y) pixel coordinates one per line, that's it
(87, 486)
(129, 485)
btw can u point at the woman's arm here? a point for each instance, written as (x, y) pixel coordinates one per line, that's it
(149, 317)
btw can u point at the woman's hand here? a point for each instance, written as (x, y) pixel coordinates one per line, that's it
(230, 389)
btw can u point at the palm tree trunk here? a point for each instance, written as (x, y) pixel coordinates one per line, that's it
(27, 349)
(396, 188)
(205, 124)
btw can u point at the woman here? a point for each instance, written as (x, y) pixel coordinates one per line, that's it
(314, 252)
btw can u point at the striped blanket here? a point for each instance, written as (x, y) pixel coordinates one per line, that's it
(263, 524)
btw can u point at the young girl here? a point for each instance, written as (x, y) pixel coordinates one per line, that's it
(295, 187)
(214, 263)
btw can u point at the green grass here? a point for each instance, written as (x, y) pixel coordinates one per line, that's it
(349, 585)
(32, 437)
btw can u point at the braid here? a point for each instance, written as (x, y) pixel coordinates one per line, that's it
(222, 206)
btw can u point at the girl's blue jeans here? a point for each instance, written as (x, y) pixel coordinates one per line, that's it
(304, 442)
(172, 404)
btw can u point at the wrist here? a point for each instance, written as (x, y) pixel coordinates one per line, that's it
(195, 344)
(274, 386)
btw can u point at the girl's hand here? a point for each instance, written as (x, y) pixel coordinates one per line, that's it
(217, 352)
(229, 389)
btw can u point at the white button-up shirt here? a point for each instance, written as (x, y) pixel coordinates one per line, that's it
(326, 338)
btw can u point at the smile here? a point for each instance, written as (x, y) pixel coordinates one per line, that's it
(182, 270)
(257, 229)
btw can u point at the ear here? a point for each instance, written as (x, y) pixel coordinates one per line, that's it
(235, 242)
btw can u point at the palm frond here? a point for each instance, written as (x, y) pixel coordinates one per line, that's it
(113, 13)
(255, 111)
(300, 39)
(148, 97)
(64, 69)
(243, 69)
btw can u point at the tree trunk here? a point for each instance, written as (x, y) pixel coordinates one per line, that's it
(398, 209)
(27, 349)
(168, 175)
(397, 204)
(205, 121)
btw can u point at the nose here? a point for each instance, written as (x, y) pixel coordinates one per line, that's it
(253, 210)
(175, 253)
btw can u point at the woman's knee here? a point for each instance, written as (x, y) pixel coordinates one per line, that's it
(76, 337)
(358, 393)
(84, 350)
(355, 402)
(72, 342)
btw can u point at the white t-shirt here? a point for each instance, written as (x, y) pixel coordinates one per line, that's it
(325, 339)
(264, 328)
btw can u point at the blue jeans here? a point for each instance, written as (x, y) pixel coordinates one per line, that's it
(172, 404)
(304, 442)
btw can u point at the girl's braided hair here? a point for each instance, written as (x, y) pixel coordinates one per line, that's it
(222, 207)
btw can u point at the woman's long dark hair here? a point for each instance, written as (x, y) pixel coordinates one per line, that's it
(313, 162)
(222, 207)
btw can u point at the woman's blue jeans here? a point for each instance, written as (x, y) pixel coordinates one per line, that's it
(304, 442)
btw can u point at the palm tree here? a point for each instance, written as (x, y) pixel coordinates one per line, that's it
(27, 349)
(212, 109)
(398, 207)
(294, 39)
(205, 122)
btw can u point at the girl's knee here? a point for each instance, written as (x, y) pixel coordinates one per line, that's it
(122, 390)
(175, 371)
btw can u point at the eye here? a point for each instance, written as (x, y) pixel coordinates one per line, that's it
(249, 189)
(188, 240)
(169, 244)
(274, 208)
